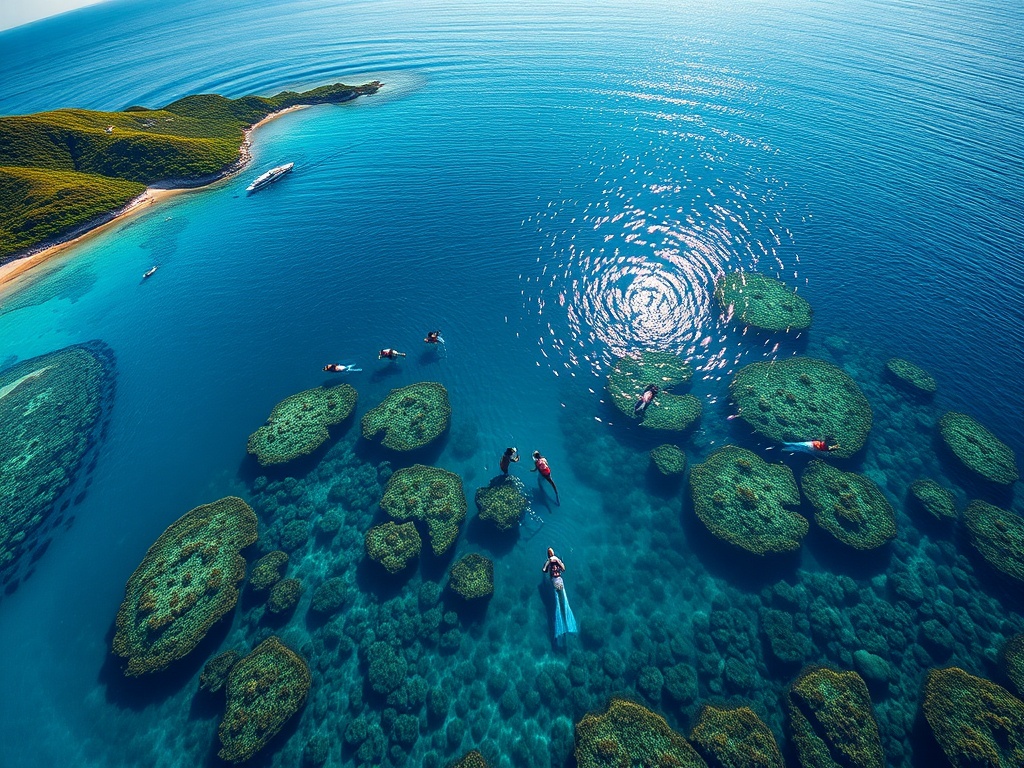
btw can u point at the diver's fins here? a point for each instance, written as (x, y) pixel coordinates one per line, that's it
(570, 621)
(560, 627)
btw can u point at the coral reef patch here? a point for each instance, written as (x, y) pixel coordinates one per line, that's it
(410, 417)
(909, 377)
(472, 577)
(998, 535)
(803, 398)
(393, 545)
(937, 501)
(669, 460)
(629, 734)
(284, 595)
(849, 506)
(759, 301)
(431, 496)
(502, 502)
(669, 411)
(268, 570)
(187, 581)
(472, 760)
(832, 721)
(264, 690)
(298, 424)
(735, 738)
(1012, 658)
(744, 500)
(976, 722)
(978, 449)
(215, 673)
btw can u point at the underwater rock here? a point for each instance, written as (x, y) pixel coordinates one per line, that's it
(849, 506)
(978, 449)
(216, 671)
(750, 298)
(744, 500)
(410, 417)
(630, 377)
(472, 577)
(503, 502)
(1012, 659)
(393, 545)
(52, 412)
(387, 668)
(430, 495)
(669, 460)
(284, 595)
(998, 535)
(872, 667)
(471, 760)
(910, 377)
(784, 642)
(803, 398)
(976, 722)
(298, 424)
(630, 734)
(267, 570)
(264, 690)
(735, 738)
(681, 683)
(187, 581)
(832, 721)
(934, 499)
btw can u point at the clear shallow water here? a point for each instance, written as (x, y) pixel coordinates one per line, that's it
(551, 188)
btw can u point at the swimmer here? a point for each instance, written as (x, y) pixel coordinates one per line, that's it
(390, 354)
(645, 399)
(510, 455)
(540, 464)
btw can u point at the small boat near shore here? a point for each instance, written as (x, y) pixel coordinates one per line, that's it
(149, 272)
(269, 177)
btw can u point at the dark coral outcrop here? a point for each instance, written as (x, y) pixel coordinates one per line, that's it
(393, 545)
(978, 449)
(735, 738)
(803, 398)
(502, 502)
(215, 673)
(746, 501)
(264, 691)
(410, 417)
(759, 301)
(1012, 659)
(937, 501)
(631, 375)
(187, 581)
(628, 734)
(669, 460)
(832, 721)
(472, 577)
(998, 535)
(268, 570)
(849, 506)
(298, 424)
(431, 496)
(976, 722)
(910, 378)
(471, 760)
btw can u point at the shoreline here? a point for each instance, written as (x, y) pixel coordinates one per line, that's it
(14, 272)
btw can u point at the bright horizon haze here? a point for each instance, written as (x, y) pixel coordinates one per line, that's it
(19, 12)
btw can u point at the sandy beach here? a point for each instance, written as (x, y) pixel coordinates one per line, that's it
(13, 274)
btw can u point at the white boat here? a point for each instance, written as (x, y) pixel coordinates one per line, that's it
(270, 177)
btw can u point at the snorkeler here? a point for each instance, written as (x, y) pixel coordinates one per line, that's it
(554, 567)
(645, 399)
(565, 622)
(811, 446)
(434, 337)
(390, 354)
(540, 464)
(339, 368)
(510, 454)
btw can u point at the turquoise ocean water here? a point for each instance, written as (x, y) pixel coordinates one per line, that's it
(552, 186)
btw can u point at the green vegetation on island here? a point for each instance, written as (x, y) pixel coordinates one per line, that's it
(63, 169)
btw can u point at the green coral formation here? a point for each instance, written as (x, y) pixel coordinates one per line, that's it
(298, 424)
(503, 502)
(998, 535)
(264, 690)
(1012, 659)
(471, 760)
(669, 460)
(472, 577)
(753, 299)
(410, 417)
(849, 506)
(937, 501)
(62, 169)
(978, 449)
(802, 398)
(284, 595)
(832, 722)
(51, 413)
(735, 738)
(628, 734)
(187, 581)
(393, 545)
(744, 500)
(976, 722)
(430, 495)
(631, 375)
(267, 570)
(215, 673)
(910, 377)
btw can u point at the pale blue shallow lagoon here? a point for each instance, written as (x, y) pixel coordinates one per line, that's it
(553, 186)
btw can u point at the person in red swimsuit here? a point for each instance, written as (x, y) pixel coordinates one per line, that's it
(811, 446)
(554, 567)
(540, 464)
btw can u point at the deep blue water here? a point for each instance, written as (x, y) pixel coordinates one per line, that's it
(552, 187)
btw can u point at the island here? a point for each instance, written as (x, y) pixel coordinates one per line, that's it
(65, 172)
